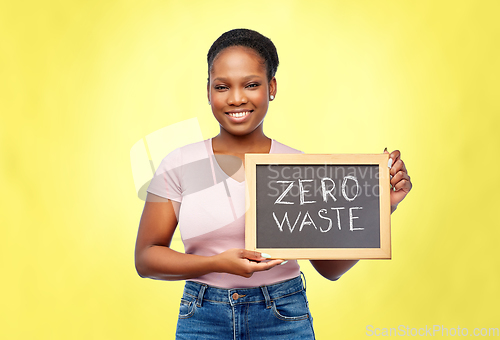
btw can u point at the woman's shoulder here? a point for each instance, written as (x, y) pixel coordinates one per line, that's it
(196, 149)
(278, 147)
(188, 153)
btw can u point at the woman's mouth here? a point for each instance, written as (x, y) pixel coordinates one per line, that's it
(239, 116)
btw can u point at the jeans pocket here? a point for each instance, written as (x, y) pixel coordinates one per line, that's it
(291, 308)
(187, 308)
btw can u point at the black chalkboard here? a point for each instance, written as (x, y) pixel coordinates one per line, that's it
(318, 206)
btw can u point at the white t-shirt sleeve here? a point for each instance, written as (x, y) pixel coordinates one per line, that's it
(166, 182)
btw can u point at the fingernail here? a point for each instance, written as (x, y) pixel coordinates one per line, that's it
(385, 149)
(284, 262)
(266, 256)
(389, 163)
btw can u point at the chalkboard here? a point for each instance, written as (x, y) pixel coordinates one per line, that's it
(307, 206)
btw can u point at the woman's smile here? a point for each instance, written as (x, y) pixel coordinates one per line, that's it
(239, 116)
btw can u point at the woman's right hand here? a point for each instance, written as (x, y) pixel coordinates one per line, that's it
(242, 262)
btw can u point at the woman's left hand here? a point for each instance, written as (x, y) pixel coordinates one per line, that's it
(400, 181)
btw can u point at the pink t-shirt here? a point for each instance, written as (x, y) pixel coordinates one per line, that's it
(212, 211)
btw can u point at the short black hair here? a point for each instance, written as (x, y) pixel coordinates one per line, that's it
(247, 38)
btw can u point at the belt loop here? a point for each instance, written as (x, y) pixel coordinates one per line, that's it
(266, 296)
(305, 284)
(199, 299)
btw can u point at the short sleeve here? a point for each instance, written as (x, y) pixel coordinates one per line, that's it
(278, 147)
(167, 180)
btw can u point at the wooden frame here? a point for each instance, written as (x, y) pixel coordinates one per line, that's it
(384, 252)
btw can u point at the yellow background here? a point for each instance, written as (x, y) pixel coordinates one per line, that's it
(82, 81)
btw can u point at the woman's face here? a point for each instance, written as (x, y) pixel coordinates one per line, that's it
(239, 90)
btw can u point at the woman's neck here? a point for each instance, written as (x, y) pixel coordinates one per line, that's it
(255, 142)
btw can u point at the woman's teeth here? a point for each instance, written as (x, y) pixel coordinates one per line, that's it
(239, 114)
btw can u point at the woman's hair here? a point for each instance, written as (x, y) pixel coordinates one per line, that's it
(247, 38)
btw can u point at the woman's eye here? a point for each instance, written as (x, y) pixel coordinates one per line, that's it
(253, 85)
(220, 87)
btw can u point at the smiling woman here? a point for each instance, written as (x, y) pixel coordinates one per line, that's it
(230, 292)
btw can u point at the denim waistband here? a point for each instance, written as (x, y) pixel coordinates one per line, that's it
(203, 292)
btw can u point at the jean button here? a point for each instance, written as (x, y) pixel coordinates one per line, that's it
(235, 296)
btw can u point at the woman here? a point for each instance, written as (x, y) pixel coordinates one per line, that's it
(230, 293)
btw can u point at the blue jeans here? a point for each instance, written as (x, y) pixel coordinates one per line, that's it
(278, 311)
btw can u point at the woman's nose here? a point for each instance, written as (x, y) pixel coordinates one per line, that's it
(237, 97)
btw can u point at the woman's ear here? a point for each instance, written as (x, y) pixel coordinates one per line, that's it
(208, 91)
(273, 87)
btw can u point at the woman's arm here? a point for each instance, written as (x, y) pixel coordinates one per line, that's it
(400, 181)
(155, 259)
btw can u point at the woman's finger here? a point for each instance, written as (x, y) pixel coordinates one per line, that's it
(253, 255)
(393, 158)
(261, 266)
(398, 177)
(404, 184)
(398, 166)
